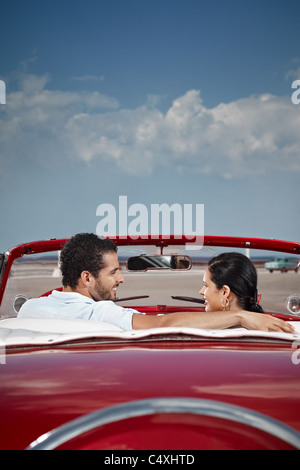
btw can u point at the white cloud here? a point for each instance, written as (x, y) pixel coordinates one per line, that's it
(294, 73)
(249, 136)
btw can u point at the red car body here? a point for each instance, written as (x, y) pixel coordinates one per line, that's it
(163, 390)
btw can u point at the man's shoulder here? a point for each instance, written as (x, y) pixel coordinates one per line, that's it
(61, 296)
(54, 303)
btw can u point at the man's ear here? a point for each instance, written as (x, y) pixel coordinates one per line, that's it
(86, 278)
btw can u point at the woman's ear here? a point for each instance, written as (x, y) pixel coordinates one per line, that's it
(224, 297)
(225, 291)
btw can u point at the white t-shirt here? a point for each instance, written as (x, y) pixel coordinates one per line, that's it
(72, 306)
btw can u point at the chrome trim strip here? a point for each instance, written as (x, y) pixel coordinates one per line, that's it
(74, 428)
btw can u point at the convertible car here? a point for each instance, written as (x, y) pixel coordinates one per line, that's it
(74, 384)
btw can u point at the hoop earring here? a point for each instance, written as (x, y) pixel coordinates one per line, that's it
(226, 305)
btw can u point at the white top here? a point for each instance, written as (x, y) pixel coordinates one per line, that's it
(71, 305)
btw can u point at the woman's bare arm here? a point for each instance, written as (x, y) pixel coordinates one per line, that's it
(212, 320)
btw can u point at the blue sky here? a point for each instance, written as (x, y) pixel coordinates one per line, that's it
(182, 101)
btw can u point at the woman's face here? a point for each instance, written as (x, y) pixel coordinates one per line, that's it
(211, 293)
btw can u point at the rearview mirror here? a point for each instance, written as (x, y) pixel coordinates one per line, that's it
(145, 262)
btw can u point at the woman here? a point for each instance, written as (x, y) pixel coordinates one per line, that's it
(230, 283)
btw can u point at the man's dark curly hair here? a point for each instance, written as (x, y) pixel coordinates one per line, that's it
(83, 252)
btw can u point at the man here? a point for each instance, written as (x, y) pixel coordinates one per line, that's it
(91, 275)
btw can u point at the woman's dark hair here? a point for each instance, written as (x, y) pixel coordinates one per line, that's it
(237, 272)
(83, 252)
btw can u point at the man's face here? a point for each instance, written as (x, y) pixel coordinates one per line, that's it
(109, 278)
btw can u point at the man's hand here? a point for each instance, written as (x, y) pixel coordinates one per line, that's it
(260, 321)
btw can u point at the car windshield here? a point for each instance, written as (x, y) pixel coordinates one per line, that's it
(34, 275)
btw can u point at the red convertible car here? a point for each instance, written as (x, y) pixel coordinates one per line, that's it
(75, 384)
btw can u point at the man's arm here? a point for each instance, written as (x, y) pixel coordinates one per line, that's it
(212, 320)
